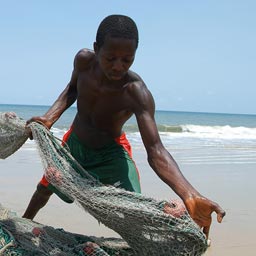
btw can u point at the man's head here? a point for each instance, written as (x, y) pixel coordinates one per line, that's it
(118, 26)
(115, 46)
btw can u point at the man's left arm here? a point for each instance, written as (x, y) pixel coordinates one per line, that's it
(161, 161)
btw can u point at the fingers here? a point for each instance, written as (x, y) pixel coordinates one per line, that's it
(220, 212)
(206, 231)
(220, 216)
(33, 119)
(39, 120)
(29, 130)
(29, 121)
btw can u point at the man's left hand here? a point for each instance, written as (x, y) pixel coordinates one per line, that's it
(201, 209)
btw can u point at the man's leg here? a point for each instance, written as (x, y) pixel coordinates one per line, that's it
(38, 201)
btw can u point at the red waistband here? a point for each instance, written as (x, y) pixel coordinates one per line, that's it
(121, 140)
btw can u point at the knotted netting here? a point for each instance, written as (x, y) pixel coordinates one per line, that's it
(12, 134)
(23, 237)
(149, 226)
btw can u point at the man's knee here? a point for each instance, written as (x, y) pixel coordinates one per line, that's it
(43, 191)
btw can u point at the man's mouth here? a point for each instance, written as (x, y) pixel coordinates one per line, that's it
(116, 76)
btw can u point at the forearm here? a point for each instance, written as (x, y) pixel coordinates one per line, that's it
(167, 169)
(64, 101)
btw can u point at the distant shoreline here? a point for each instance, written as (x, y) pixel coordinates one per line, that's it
(157, 110)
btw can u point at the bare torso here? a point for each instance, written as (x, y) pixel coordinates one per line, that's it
(102, 107)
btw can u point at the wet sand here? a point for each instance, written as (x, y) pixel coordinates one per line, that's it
(232, 186)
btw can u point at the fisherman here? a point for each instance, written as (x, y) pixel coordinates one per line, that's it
(108, 93)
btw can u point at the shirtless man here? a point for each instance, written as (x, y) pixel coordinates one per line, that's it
(107, 95)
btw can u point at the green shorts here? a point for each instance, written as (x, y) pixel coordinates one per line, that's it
(111, 164)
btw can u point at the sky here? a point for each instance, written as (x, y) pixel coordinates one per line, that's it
(196, 56)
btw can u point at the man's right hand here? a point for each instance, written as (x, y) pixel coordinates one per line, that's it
(39, 119)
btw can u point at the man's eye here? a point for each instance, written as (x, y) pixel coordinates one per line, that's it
(127, 60)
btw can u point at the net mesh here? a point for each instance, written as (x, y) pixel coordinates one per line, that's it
(23, 237)
(147, 225)
(12, 134)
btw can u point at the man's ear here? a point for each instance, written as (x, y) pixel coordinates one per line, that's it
(95, 47)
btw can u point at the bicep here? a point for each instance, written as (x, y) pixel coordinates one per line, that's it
(70, 92)
(148, 130)
(145, 112)
(71, 88)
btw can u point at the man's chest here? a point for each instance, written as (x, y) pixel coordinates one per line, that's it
(101, 98)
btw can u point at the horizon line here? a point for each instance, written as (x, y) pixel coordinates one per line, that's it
(162, 110)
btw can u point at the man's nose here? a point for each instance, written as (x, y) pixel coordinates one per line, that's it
(118, 65)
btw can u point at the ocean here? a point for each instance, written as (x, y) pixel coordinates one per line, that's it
(211, 138)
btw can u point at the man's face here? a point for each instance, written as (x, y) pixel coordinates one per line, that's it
(116, 56)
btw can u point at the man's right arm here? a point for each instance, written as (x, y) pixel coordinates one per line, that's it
(63, 102)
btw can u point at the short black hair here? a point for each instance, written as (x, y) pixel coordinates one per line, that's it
(119, 26)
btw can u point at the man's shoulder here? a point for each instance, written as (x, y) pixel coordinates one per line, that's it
(85, 53)
(84, 58)
(135, 81)
(137, 89)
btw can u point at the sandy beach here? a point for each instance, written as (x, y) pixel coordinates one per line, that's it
(232, 186)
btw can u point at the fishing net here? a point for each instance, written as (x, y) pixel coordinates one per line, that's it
(147, 225)
(12, 134)
(23, 237)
